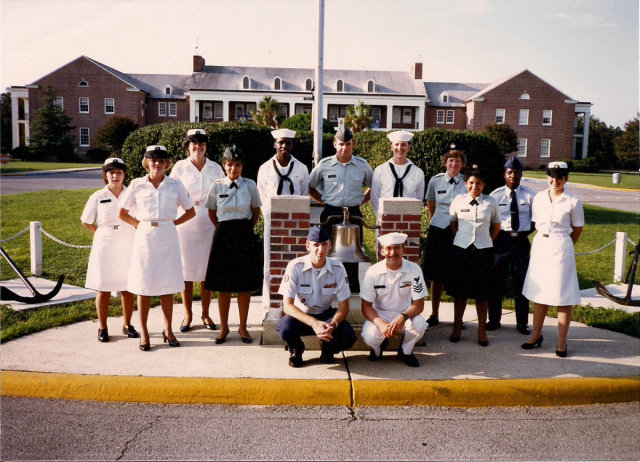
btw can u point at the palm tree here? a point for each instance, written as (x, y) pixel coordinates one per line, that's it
(268, 112)
(358, 117)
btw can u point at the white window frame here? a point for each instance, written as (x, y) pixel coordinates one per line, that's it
(333, 113)
(167, 90)
(525, 95)
(59, 101)
(444, 96)
(246, 82)
(308, 85)
(396, 115)
(173, 109)
(548, 112)
(340, 85)
(545, 147)
(371, 86)
(450, 112)
(218, 110)
(84, 132)
(112, 105)
(500, 116)
(162, 109)
(83, 83)
(80, 100)
(522, 147)
(207, 111)
(523, 118)
(440, 116)
(277, 84)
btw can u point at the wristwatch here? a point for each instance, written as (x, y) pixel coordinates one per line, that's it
(404, 316)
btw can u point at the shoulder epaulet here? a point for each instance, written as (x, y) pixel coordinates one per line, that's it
(438, 175)
(360, 159)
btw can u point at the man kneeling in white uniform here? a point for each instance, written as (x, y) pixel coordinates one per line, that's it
(393, 292)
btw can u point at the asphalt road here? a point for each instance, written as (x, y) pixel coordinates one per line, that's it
(72, 430)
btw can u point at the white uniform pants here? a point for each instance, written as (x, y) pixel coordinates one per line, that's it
(413, 331)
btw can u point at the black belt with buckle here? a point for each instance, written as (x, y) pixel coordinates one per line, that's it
(116, 226)
(513, 233)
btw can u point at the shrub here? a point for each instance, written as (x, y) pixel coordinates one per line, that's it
(302, 122)
(23, 153)
(97, 154)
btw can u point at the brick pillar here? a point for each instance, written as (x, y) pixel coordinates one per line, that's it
(289, 229)
(401, 214)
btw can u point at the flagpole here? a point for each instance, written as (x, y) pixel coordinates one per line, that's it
(317, 103)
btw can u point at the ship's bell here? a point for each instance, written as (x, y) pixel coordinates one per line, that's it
(345, 243)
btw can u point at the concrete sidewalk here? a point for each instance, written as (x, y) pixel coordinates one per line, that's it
(69, 363)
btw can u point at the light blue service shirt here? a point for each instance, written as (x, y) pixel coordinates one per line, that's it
(341, 184)
(233, 203)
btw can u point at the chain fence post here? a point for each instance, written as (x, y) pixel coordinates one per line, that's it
(620, 256)
(35, 245)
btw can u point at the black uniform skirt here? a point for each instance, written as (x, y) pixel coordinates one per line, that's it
(472, 273)
(436, 259)
(235, 261)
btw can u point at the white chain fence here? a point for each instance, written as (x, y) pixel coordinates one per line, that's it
(18, 234)
(55, 239)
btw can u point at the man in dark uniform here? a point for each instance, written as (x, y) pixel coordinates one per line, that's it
(511, 246)
(337, 182)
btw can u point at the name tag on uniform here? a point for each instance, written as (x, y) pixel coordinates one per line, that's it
(329, 286)
(405, 284)
(379, 287)
(305, 285)
(223, 195)
(502, 205)
(465, 210)
(105, 200)
(442, 192)
(331, 176)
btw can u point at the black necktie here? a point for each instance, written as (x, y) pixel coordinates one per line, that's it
(474, 202)
(233, 185)
(398, 189)
(451, 180)
(515, 217)
(283, 177)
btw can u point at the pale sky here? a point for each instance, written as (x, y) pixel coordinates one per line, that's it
(588, 49)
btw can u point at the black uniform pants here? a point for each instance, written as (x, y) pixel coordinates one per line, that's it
(290, 331)
(511, 254)
(351, 268)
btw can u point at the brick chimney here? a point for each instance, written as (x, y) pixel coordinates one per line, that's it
(198, 63)
(417, 71)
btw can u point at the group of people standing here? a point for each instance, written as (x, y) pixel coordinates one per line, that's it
(153, 239)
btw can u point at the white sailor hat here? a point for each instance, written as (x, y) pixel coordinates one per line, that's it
(557, 169)
(114, 163)
(196, 135)
(557, 164)
(392, 239)
(283, 133)
(399, 136)
(156, 151)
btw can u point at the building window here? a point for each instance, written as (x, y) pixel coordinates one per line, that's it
(499, 116)
(547, 116)
(162, 109)
(109, 106)
(83, 105)
(444, 96)
(217, 110)
(376, 113)
(525, 95)
(246, 83)
(207, 111)
(440, 116)
(371, 86)
(522, 147)
(59, 101)
(277, 83)
(303, 108)
(83, 83)
(339, 85)
(244, 111)
(545, 148)
(407, 115)
(308, 85)
(397, 113)
(173, 109)
(167, 90)
(524, 117)
(450, 116)
(84, 137)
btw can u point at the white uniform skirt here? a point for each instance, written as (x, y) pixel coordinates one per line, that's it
(551, 277)
(156, 266)
(109, 258)
(195, 238)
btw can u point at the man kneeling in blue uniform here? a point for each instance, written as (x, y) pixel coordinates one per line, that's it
(309, 285)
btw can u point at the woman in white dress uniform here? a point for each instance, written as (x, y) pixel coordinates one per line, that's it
(196, 173)
(156, 266)
(111, 249)
(552, 278)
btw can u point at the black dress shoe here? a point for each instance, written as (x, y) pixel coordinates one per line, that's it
(373, 356)
(410, 359)
(172, 342)
(145, 346)
(493, 325)
(562, 354)
(130, 331)
(433, 320)
(295, 360)
(531, 346)
(103, 335)
(523, 329)
(221, 340)
(210, 326)
(483, 343)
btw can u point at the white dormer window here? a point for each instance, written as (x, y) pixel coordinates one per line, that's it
(246, 83)
(167, 90)
(308, 85)
(83, 83)
(371, 86)
(277, 83)
(340, 85)
(525, 95)
(444, 96)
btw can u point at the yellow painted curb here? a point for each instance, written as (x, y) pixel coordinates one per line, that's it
(176, 390)
(509, 392)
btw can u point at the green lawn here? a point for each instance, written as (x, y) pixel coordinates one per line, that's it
(627, 180)
(20, 166)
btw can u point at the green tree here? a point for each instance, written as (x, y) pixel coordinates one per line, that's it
(50, 130)
(112, 135)
(601, 142)
(358, 117)
(626, 146)
(5, 121)
(302, 123)
(504, 135)
(268, 113)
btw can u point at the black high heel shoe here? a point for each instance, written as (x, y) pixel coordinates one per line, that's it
(562, 354)
(531, 346)
(145, 346)
(210, 326)
(185, 327)
(172, 343)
